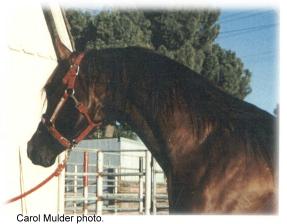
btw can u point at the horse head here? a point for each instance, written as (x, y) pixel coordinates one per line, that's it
(68, 117)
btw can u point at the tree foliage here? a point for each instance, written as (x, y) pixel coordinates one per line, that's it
(185, 36)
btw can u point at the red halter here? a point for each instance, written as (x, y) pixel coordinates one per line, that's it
(69, 80)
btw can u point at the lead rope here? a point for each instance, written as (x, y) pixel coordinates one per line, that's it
(56, 173)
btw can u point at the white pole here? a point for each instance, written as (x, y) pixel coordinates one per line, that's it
(153, 187)
(116, 190)
(85, 181)
(61, 186)
(100, 165)
(75, 187)
(148, 183)
(141, 185)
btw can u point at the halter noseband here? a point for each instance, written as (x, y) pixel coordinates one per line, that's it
(69, 80)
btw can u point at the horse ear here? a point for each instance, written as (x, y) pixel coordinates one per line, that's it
(62, 51)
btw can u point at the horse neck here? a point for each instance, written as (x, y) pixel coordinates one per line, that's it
(151, 136)
(163, 129)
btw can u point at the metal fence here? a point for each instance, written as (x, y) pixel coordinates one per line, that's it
(92, 187)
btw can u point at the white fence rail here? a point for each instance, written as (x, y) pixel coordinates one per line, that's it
(96, 188)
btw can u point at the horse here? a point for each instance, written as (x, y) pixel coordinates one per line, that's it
(219, 153)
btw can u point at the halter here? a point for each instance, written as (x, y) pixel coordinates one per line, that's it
(69, 80)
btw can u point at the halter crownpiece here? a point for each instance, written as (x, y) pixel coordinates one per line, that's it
(69, 80)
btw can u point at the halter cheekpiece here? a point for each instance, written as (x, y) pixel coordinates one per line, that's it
(69, 80)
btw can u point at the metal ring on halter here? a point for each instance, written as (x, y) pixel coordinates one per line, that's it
(46, 121)
(70, 92)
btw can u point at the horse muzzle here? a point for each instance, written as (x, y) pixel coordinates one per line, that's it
(39, 156)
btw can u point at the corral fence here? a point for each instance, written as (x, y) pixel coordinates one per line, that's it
(94, 183)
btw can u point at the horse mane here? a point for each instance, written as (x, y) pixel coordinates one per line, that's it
(163, 85)
(169, 82)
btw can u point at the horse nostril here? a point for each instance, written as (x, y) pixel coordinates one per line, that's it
(29, 149)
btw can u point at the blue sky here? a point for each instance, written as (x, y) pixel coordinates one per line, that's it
(253, 35)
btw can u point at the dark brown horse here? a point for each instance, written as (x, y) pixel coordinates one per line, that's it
(218, 152)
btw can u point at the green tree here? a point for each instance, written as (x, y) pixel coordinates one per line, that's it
(109, 29)
(225, 70)
(79, 23)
